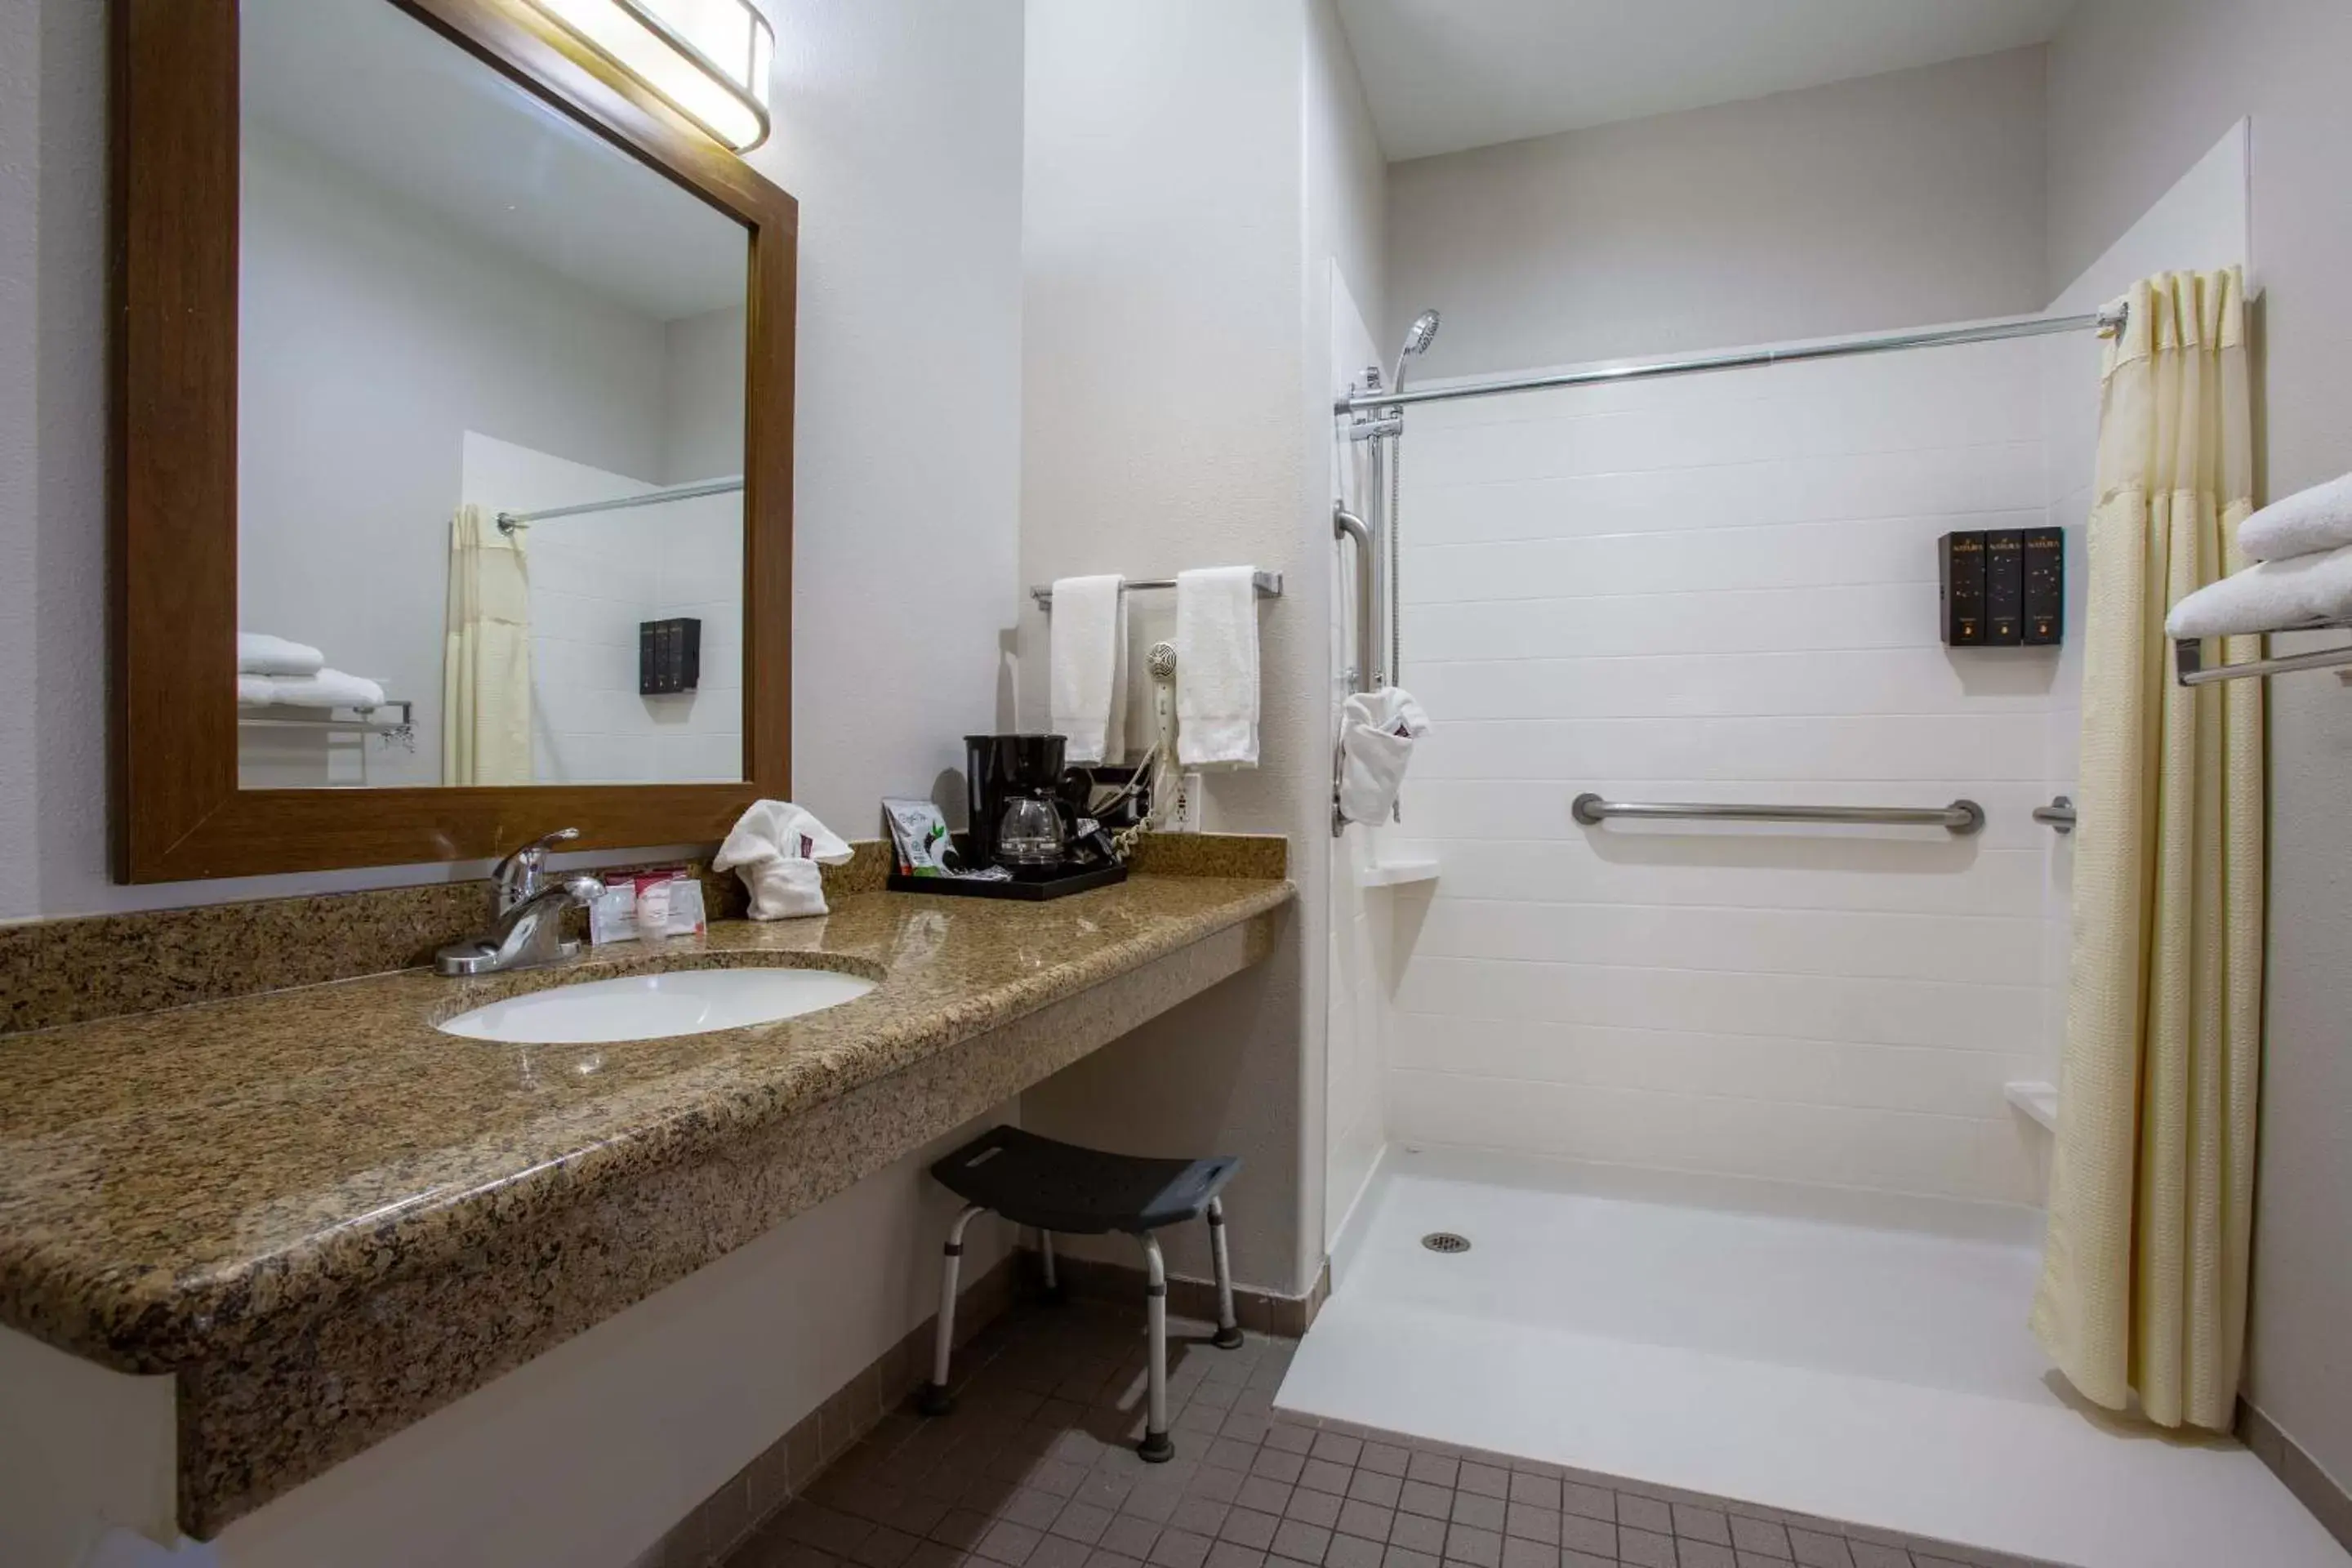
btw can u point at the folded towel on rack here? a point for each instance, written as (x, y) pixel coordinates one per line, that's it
(255, 691)
(2304, 523)
(327, 688)
(1086, 667)
(2269, 596)
(1377, 733)
(258, 653)
(1216, 667)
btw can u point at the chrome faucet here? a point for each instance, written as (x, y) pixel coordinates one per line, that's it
(529, 930)
(517, 877)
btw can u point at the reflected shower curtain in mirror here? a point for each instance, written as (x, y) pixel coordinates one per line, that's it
(2144, 1272)
(485, 663)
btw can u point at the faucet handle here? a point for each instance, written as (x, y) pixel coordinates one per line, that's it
(516, 876)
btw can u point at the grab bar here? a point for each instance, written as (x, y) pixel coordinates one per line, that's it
(1346, 524)
(2058, 816)
(1962, 816)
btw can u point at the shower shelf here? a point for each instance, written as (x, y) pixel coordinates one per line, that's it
(2038, 1100)
(1398, 872)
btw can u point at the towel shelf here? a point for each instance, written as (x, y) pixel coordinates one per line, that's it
(1961, 817)
(2188, 659)
(1267, 583)
(368, 722)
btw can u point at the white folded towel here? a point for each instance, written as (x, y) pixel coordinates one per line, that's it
(2304, 523)
(255, 691)
(1216, 667)
(1377, 731)
(776, 847)
(258, 653)
(2269, 596)
(1087, 668)
(327, 688)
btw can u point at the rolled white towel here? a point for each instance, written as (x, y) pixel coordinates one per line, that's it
(254, 692)
(258, 653)
(2304, 523)
(327, 688)
(2269, 596)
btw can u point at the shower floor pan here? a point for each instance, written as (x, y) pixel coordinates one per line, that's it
(1877, 1376)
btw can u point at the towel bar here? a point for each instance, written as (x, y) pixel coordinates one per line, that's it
(1962, 816)
(1267, 583)
(2188, 659)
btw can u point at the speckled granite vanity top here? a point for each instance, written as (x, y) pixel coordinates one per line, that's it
(170, 1181)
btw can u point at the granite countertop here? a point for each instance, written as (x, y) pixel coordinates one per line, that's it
(169, 1179)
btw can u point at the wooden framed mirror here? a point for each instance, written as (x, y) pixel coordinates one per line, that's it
(453, 417)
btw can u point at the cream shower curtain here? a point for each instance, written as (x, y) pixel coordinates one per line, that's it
(486, 661)
(2151, 1195)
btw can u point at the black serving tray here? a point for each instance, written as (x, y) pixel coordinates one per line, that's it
(1028, 891)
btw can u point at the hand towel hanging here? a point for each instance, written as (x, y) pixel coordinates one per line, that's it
(1216, 667)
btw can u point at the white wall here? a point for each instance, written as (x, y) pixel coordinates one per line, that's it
(1346, 209)
(1167, 287)
(896, 125)
(898, 122)
(1724, 588)
(1891, 201)
(2139, 89)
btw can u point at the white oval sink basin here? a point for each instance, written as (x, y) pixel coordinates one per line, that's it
(655, 1007)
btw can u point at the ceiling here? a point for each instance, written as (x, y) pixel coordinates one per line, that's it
(1446, 75)
(366, 86)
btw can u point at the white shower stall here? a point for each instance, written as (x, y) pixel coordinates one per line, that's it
(1743, 1123)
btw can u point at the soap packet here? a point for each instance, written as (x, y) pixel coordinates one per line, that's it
(665, 902)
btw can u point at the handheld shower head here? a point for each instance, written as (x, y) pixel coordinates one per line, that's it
(1417, 338)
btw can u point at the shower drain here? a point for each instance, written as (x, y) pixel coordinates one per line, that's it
(1445, 1241)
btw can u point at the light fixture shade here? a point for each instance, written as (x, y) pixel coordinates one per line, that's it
(709, 59)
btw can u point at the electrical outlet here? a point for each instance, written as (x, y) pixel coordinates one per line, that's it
(1186, 811)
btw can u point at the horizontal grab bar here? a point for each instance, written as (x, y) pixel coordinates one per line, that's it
(1962, 816)
(2058, 816)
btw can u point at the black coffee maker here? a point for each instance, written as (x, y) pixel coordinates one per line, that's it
(1024, 806)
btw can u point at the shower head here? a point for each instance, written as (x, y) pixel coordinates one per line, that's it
(1417, 338)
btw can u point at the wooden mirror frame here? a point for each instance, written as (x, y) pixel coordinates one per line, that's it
(178, 812)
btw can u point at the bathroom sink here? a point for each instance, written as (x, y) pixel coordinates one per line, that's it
(654, 1006)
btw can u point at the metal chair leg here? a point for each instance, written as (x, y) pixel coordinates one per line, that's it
(1156, 1448)
(1053, 1294)
(1229, 1329)
(935, 1399)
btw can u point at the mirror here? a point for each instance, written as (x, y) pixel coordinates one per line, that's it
(490, 424)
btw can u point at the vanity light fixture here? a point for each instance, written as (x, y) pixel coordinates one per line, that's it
(709, 59)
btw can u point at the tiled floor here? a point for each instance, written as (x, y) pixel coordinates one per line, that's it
(1036, 1468)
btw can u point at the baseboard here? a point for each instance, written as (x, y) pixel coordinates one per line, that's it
(2322, 1494)
(1264, 1312)
(785, 1468)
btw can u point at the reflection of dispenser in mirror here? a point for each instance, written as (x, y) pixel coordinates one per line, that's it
(543, 457)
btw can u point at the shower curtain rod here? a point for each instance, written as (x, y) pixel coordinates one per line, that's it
(510, 521)
(2105, 322)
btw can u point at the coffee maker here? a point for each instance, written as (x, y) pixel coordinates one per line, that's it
(1001, 774)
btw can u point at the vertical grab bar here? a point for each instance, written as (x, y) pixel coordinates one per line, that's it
(1346, 524)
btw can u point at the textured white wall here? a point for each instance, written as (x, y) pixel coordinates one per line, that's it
(2139, 89)
(897, 124)
(1887, 202)
(1724, 588)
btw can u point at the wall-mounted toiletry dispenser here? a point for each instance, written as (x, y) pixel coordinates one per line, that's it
(2003, 588)
(669, 656)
